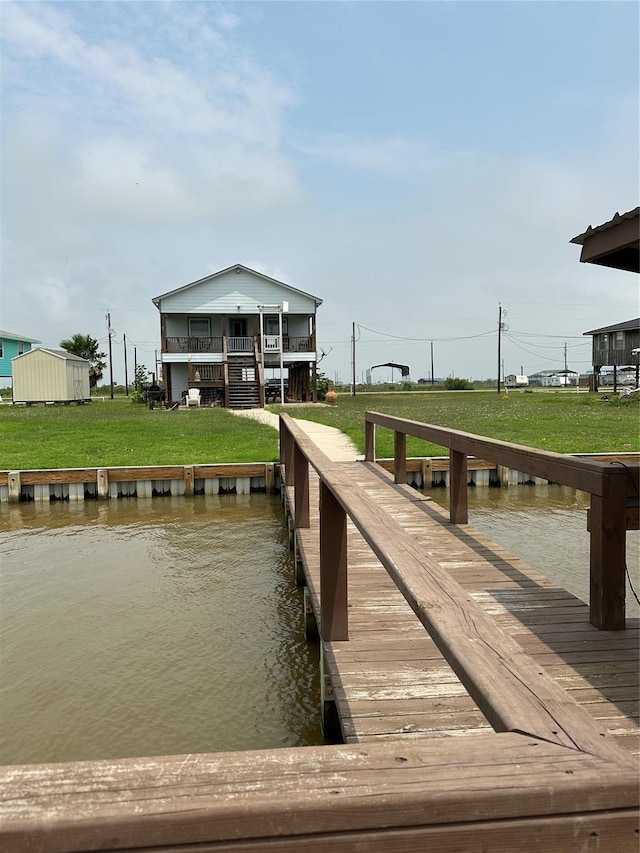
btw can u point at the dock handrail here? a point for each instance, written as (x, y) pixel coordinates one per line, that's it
(506, 684)
(608, 485)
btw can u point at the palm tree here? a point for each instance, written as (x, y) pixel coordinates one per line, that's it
(87, 347)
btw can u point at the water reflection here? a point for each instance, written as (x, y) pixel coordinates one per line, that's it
(546, 526)
(151, 627)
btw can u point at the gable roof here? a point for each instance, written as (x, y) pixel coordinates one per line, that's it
(627, 326)
(13, 337)
(239, 267)
(58, 353)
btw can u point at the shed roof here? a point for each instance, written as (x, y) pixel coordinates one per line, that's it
(156, 299)
(14, 337)
(58, 353)
(627, 326)
(615, 243)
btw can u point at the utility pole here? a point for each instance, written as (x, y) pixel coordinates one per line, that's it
(110, 354)
(432, 377)
(353, 360)
(499, 342)
(126, 378)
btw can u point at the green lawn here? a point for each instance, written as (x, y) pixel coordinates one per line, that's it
(117, 432)
(566, 422)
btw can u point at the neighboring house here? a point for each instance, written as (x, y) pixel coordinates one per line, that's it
(612, 346)
(45, 375)
(222, 334)
(12, 345)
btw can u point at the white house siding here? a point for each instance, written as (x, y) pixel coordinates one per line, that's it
(178, 325)
(179, 384)
(223, 294)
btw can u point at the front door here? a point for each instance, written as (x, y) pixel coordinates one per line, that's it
(238, 327)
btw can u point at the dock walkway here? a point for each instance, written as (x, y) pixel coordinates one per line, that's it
(390, 681)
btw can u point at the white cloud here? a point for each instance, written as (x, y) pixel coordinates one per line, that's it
(119, 178)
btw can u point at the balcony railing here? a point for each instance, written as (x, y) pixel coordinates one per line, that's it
(297, 343)
(237, 344)
(240, 344)
(193, 344)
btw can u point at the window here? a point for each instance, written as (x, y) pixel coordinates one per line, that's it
(199, 328)
(272, 325)
(619, 344)
(20, 348)
(1, 348)
(602, 342)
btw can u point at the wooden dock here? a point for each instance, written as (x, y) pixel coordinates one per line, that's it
(481, 707)
(389, 680)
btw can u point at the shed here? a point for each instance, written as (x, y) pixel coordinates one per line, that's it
(45, 375)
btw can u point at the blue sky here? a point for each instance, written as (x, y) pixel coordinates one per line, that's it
(413, 164)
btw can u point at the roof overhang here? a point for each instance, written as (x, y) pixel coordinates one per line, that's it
(615, 243)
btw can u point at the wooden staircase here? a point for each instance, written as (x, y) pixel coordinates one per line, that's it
(243, 382)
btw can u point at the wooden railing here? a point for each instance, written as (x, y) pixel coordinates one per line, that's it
(185, 343)
(507, 685)
(609, 485)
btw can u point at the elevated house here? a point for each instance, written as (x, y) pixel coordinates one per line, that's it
(233, 331)
(12, 345)
(613, 346)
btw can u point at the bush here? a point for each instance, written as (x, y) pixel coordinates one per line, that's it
(454, 383)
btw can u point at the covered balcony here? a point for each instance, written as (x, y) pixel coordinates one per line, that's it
(238, 344)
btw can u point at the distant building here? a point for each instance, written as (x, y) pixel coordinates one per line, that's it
(554, 378)
(613, 346)
(515, 381)
(12, 345)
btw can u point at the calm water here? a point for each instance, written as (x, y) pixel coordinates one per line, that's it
(170, 626)
(546, 526)
(151, 627)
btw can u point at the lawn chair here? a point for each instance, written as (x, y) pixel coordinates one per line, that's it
(193, 397)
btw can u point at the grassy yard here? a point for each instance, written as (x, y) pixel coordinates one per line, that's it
(117, 432)
(565, 422)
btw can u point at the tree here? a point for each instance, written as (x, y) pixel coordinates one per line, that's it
(87, 347)
(140, 378)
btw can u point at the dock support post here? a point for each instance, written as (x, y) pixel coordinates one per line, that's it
(369, 441)
(310, 624)
(330, 719)
(301, 580)
(189, 481)
(13, 482)
(102, 482)
(458, 503)
(333, 567)
(608, 554)
(399, 457)
(427, 473)
(301, 479)
(270, 477)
